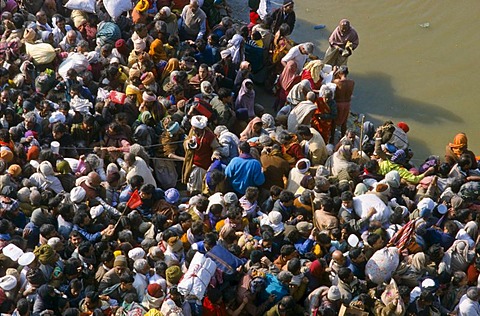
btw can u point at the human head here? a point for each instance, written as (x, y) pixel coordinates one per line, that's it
(41, 17)
(344, 26)
(244, 147)
(307, 48)
(288, 6)
(194, 5)
(71, 37)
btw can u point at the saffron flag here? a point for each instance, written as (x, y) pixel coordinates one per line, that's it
(134, 201)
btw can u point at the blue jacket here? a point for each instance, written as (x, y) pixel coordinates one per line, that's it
(243, 173)
(88, 236)
(274, 286)
(304, 245)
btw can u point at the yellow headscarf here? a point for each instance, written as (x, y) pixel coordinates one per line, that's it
(156, 51)
(172, 65)
(315, 67)
(131, 89)
(142, 6)
(459, 144)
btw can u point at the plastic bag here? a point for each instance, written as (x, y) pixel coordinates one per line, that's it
(107, 33)
(45, 81)
(41, 53)
(198, 276)
(363, 203)
(117, 97)
(115, 8)
(382, 264)
(76, 61)
(82, 5)
(81, 105)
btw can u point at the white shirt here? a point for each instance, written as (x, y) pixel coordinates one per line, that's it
(295, 54)
(467, 307)
(141, 168)
(140, 284)
(264, 8)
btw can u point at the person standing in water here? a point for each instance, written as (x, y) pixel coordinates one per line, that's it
(343, 96)
(343, 41)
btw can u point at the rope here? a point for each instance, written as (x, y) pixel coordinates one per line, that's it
(149, 146)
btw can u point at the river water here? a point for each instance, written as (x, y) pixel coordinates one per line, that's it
(426, 77)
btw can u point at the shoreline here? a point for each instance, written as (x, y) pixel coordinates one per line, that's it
(361, 105)
(240, 14)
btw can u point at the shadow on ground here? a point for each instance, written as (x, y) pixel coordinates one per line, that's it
(376, 98)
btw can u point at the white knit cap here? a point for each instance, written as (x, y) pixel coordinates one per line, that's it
(199, 121)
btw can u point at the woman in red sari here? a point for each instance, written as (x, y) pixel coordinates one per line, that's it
(291, 148)
(312, 71)
(324, 115)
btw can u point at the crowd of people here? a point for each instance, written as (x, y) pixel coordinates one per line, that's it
(139, 175)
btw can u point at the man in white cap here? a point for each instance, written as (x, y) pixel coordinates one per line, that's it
(165, 15)
(228, 69)
(200, 147)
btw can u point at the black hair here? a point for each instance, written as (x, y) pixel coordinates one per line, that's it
(169, 233)
(456, 185)
(197, 227)
(216, 209)
(372, 239)
(160, 267)
(244, 147)
(127, 278)
(216, 177)
(107, 256)
(344, 273)
(214, 294)
(354, 253)
(303, 130)
(136, 181)
(234, 212)
(346, 196)
(47, 229)
(59, 128)
(327, 204)
(267, 236)
(397, 216)
(287, 250)
(71, 312)
(465, 161)
(286, 196)
(284, 29)
(18, 20)
(84, 248)
(184, 217)
(147, 188)
(79, 218)
(224, 93)
(275, 190)
(210, 239)
(294, 265)
(23, 306)
(463, 214)
(324, 239)
(256, 256)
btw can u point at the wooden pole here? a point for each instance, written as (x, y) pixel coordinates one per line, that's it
(361, 133)
(312, 198)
